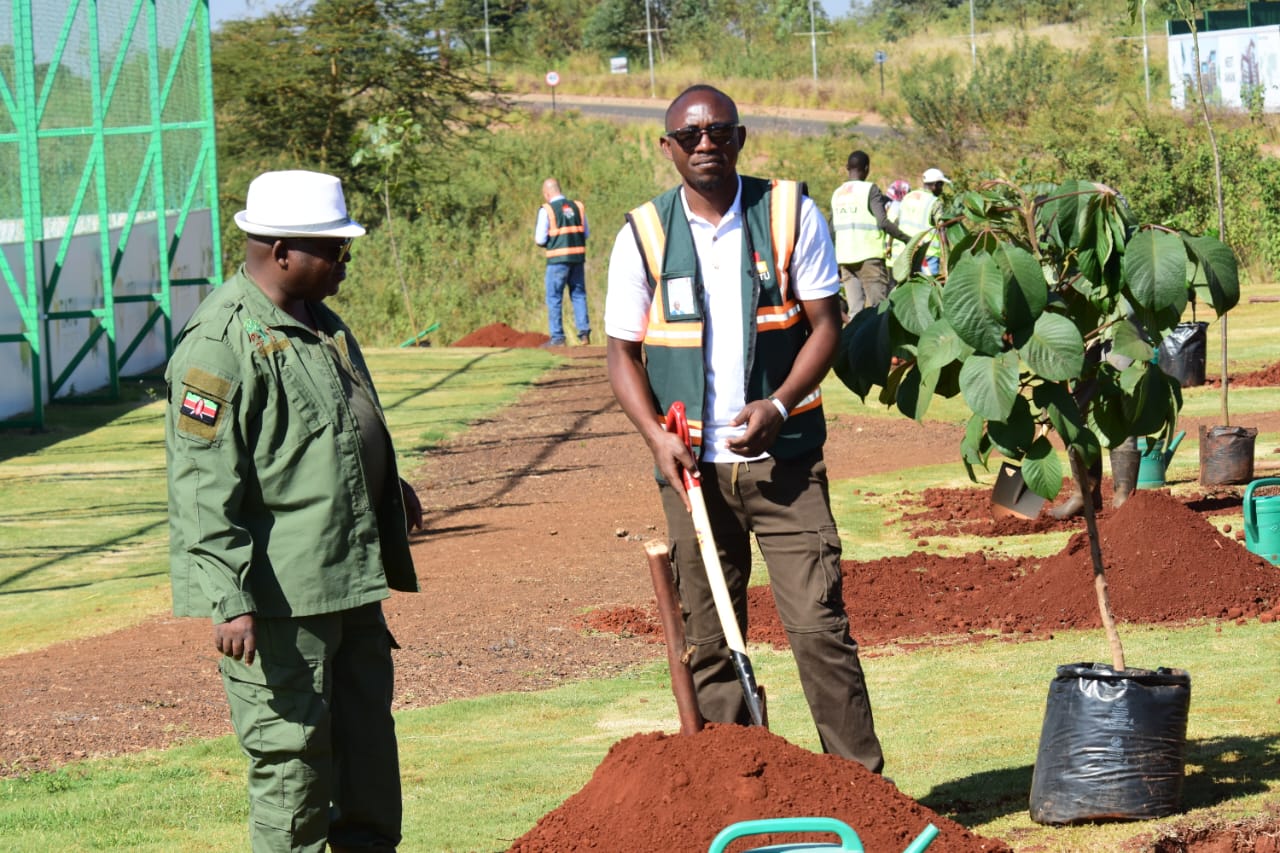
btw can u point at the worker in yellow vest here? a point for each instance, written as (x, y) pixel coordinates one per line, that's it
(920, 211)
(860, 223)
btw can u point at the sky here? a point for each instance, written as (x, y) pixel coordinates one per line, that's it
(223, 10)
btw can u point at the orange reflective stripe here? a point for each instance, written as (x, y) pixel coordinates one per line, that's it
(771, 318)
(809, 403)
(567, 250)
(784, 221)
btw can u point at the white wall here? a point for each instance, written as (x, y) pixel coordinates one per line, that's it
(79, 287)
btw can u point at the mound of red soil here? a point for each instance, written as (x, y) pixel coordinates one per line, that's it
(502, 335)
(1164, 564)
(1264, 378)
(657, 793)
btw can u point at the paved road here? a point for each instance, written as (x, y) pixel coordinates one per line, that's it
(630, 110)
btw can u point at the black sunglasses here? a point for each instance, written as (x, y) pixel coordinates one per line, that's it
(331, 249)
(720, 133)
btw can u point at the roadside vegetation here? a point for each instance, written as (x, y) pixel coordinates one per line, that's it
(1057, 92)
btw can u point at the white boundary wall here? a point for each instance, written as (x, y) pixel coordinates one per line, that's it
(80, 288)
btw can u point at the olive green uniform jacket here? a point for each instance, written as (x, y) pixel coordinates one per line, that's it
(269, 511)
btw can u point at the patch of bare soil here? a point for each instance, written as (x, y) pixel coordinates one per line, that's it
(535, 521)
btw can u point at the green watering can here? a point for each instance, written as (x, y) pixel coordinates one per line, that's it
(849, 841)
(1262, 521)
(1154, 460)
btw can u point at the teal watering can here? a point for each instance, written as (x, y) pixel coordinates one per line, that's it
(849, 841)
(1262, 521)
(1154, 460)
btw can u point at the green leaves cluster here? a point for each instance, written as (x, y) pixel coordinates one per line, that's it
(1054, 301)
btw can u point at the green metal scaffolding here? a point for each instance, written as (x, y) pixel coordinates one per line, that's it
(106, 108)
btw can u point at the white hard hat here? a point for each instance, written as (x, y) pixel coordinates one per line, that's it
(932, 176)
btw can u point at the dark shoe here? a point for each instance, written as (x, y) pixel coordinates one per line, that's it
(553, 343)
(585, 340)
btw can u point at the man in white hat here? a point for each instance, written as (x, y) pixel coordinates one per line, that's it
(919, 212)
(289, 524)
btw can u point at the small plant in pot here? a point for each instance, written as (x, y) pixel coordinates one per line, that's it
(1055, 298)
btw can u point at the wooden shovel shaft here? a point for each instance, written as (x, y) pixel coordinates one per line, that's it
(691, 721)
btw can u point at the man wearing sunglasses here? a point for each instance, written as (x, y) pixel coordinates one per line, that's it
(723, 294)
(289, 524)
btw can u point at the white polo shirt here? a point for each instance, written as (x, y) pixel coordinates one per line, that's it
(814, 275)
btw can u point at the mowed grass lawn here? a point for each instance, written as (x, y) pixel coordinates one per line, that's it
(84, 539)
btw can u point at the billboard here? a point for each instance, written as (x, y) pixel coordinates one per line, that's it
(1239, 69)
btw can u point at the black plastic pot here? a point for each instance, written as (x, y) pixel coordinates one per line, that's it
(1113, 745)
(1226, 454)
(1182, 352)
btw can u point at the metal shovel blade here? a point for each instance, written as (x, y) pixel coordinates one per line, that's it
(1010, 498)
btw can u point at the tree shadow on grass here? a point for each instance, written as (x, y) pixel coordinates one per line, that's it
(66, 419)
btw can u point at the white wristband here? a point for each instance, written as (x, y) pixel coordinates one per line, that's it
(782, 409)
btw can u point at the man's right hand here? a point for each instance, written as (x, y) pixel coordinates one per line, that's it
(235, 638)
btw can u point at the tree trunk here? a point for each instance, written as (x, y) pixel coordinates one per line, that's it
(1081, 474)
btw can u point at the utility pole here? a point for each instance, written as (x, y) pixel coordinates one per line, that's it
(973, 37)
(648, 34)
(813, 39)
(1146, 60)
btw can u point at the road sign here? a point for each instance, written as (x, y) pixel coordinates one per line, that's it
(553, 79)
(881, 56)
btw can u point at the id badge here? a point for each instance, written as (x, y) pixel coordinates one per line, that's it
(680, 300)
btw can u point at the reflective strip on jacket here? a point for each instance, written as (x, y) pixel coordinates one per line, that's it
(566, 232)
(775, 324)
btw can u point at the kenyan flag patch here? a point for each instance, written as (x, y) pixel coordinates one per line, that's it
(201, 409)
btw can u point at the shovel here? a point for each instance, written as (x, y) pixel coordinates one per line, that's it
(678, 424)
(1011, 498)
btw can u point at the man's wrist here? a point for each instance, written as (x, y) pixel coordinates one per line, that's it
(780, 406)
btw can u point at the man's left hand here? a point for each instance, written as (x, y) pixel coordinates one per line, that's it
(412, 507)
(763, 421)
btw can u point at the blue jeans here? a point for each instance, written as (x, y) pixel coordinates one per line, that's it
(558, 276)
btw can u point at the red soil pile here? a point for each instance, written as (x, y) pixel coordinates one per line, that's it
(1164, 564)
(1264, 378)
(658, 793)
(502, 335)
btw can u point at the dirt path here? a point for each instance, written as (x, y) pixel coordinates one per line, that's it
(533, 519)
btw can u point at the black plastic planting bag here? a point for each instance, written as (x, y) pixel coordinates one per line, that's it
(1181, 353)
(1113, 745)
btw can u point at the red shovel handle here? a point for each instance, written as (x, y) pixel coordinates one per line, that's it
(678, 424)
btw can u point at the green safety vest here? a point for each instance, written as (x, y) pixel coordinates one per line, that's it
(773, 322)
(566, 232)
(858, 235)
(917, 215)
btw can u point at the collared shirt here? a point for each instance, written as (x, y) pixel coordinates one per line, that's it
(270, 506)
(814, 275)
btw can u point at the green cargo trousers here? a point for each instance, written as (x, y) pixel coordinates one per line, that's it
(786, 505)
(313, 714)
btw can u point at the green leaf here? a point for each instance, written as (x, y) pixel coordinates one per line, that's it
(1218, 281)
(1042, 469)
(990, 385)
(916, 305)
(975, 447)
(1055, 350)
(1026, 291)
(862, 357)
(1057, 402)
(939, 345)
(1013, 435)
(973, 303)
(915, 392)
(1155, 267)
(1127, 341)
